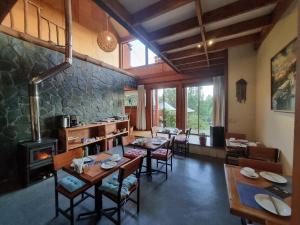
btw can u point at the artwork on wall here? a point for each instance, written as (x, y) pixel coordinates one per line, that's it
(241, 90)
(283, 78)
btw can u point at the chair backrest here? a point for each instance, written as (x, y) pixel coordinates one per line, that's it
(154, 130)
(263, 153)
(65, 159)
(188, 132)
(261, 165)
(235, 135)
(127, 140)
(129, 168)
(130, 130)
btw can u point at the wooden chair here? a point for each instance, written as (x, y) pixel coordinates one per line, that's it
(131, 153)
(261, 165)
(131, 168)
(59, 161)
(163, 155)
(182, 142)
(231, 152)
(263, 153)
(153, 131)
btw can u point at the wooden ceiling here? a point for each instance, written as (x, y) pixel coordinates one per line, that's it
(5, 6)
(191, 35)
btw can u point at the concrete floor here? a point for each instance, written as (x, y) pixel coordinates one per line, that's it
(195, 193)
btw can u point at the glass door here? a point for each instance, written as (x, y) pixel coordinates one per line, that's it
(164, 107)
(199, 110)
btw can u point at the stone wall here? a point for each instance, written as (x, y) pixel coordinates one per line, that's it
(85, 89)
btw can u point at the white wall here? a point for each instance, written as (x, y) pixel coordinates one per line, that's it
(242, 64)
(275, 129)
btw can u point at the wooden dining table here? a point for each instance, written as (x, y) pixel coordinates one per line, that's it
(169, 131)
(149, 146)
(261, 216)
(93, 174)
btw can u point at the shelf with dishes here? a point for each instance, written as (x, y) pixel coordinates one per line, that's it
(76, 137)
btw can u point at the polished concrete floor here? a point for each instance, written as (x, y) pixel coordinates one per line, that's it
(194, 194)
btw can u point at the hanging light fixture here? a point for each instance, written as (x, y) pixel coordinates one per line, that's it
(107, 40)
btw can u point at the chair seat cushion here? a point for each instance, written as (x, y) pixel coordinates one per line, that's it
(161, 154)
(133, 153)
(111, 186)
(71, 183)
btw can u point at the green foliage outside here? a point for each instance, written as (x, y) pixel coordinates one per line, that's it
(195, 96)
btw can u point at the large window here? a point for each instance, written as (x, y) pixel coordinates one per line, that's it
(164, 107)
(199, 108)
(135, 53)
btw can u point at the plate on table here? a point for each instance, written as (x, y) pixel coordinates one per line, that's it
(273, 205)
(249, 172)
(108, 165)
(274, 177)
(115, 157)
(157, 142)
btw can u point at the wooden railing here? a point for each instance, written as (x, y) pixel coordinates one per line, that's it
(40, 18)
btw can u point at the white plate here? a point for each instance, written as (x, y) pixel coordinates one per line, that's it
(265, 202)
(108, 165)
(249, 175)
(274, 177)
(115, 158)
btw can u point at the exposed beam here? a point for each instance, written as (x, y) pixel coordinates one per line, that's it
(199, 58)
(121, 15)
(214, 69)
(157, 9)
(234, 9)
(202, 64)
(279, 10)
(200, 21)
(127, 38)
(173, 29)
(218, 46)
(5, 6)
(224, 31)
(181, 43)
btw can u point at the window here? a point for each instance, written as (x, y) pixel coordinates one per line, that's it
(164, 107)
(199, 110)
(131, 98)
(135, 53)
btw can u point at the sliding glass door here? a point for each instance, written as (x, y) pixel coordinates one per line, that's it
(199, 108)
(164, 107)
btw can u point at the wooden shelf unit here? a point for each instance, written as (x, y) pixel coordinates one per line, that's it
(105, 131)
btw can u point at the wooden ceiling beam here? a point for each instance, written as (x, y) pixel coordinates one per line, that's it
(156, 10)
(5, 6)
(202, 64)
(234, 9)
(173, 29)
(127, 38)
(200, 20)
(198, 58)
(218, 46)
(279, 10)
(211, 70)
(122, 16)
(224, 31)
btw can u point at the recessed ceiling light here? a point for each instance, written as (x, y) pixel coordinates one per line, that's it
(210, 42)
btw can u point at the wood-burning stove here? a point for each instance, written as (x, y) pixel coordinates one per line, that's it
(35, 159)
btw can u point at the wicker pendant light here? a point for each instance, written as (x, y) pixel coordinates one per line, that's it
(107, 40)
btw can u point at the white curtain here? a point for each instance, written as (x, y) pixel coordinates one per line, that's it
(219, 101)
(141, 114)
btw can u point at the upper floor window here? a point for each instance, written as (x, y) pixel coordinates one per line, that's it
(135, 53)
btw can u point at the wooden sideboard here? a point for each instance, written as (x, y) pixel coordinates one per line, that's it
(76, 137)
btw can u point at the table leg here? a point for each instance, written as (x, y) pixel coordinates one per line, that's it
(149, 163)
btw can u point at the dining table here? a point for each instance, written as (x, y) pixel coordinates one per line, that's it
(150, 145)
(168, 131)
(234, 180)
(93, 174)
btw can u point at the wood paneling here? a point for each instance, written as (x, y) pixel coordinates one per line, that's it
(131, 112)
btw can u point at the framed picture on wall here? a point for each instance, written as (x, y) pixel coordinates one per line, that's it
(283, 78)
